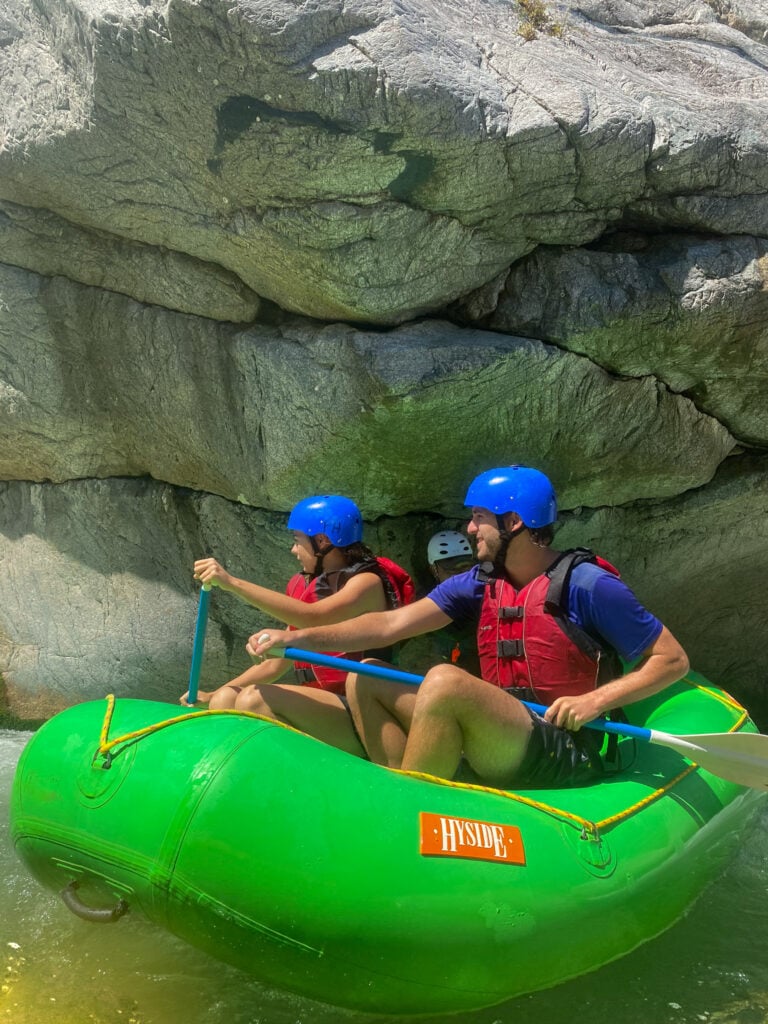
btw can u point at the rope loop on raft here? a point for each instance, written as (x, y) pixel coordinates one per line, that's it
(107, 749)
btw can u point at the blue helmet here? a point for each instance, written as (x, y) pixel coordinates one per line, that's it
(337, 517)
(527, 492)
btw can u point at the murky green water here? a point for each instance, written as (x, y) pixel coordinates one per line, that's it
(711, 967)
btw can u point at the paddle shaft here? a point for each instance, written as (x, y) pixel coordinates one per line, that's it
(740, 757)
(198, 643)
(394, 675)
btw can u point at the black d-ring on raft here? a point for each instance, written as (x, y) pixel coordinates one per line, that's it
(95, 915)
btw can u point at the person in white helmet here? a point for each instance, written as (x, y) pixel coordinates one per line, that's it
(449, 553)
(554, 625)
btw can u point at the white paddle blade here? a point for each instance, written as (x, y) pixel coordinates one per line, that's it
(740, 757)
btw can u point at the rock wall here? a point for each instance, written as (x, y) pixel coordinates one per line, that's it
(252, 250)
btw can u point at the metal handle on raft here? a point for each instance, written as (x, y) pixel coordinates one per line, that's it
(105, 915)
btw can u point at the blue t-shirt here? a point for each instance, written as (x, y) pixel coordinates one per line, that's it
(598, 602)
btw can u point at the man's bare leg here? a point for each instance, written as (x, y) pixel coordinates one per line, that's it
(457, 713)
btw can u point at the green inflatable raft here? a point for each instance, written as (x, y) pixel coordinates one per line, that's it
(364, 887)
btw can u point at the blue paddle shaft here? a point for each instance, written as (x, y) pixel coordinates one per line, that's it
(394, 675)
(198, 644)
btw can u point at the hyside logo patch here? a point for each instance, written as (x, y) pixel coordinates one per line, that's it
(444, 836)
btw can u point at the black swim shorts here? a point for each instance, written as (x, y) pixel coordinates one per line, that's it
(557, 757)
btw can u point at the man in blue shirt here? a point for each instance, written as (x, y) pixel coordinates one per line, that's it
(555, 649)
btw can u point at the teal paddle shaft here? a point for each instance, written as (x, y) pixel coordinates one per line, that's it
(741, 757)
(198, 643)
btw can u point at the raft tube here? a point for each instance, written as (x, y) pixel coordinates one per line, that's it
(378, 890)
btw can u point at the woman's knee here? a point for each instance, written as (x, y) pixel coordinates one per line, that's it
(224, 698)
(252, 699)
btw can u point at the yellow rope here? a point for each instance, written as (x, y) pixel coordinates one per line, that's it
(651, 798)
(106, 745)
(722, 696)
(673, 782)
(106, 723)
(538, 805)
(593, 827)
(596, 826)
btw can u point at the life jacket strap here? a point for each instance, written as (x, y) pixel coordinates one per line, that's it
(560, 577)
(304, 675)
(521, 692)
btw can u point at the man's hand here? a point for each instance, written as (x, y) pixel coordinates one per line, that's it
(574, 712)
(268, 643)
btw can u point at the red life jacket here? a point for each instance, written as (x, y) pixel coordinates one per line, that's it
(525, 638)
(398, 590)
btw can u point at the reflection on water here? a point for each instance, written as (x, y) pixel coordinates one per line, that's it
(710, 968)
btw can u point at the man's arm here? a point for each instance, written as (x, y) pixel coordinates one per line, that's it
(663, 663)
(366, 632)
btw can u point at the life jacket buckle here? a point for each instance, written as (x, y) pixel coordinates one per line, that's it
(510, 649)
(514, 611)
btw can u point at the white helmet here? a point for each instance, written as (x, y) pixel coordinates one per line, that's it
(447, 544)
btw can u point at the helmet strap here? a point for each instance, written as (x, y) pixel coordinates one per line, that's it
(505, 537)
(319, 554)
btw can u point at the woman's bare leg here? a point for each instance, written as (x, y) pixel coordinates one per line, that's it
(382, 713)
(226, 696)
(317, 712)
